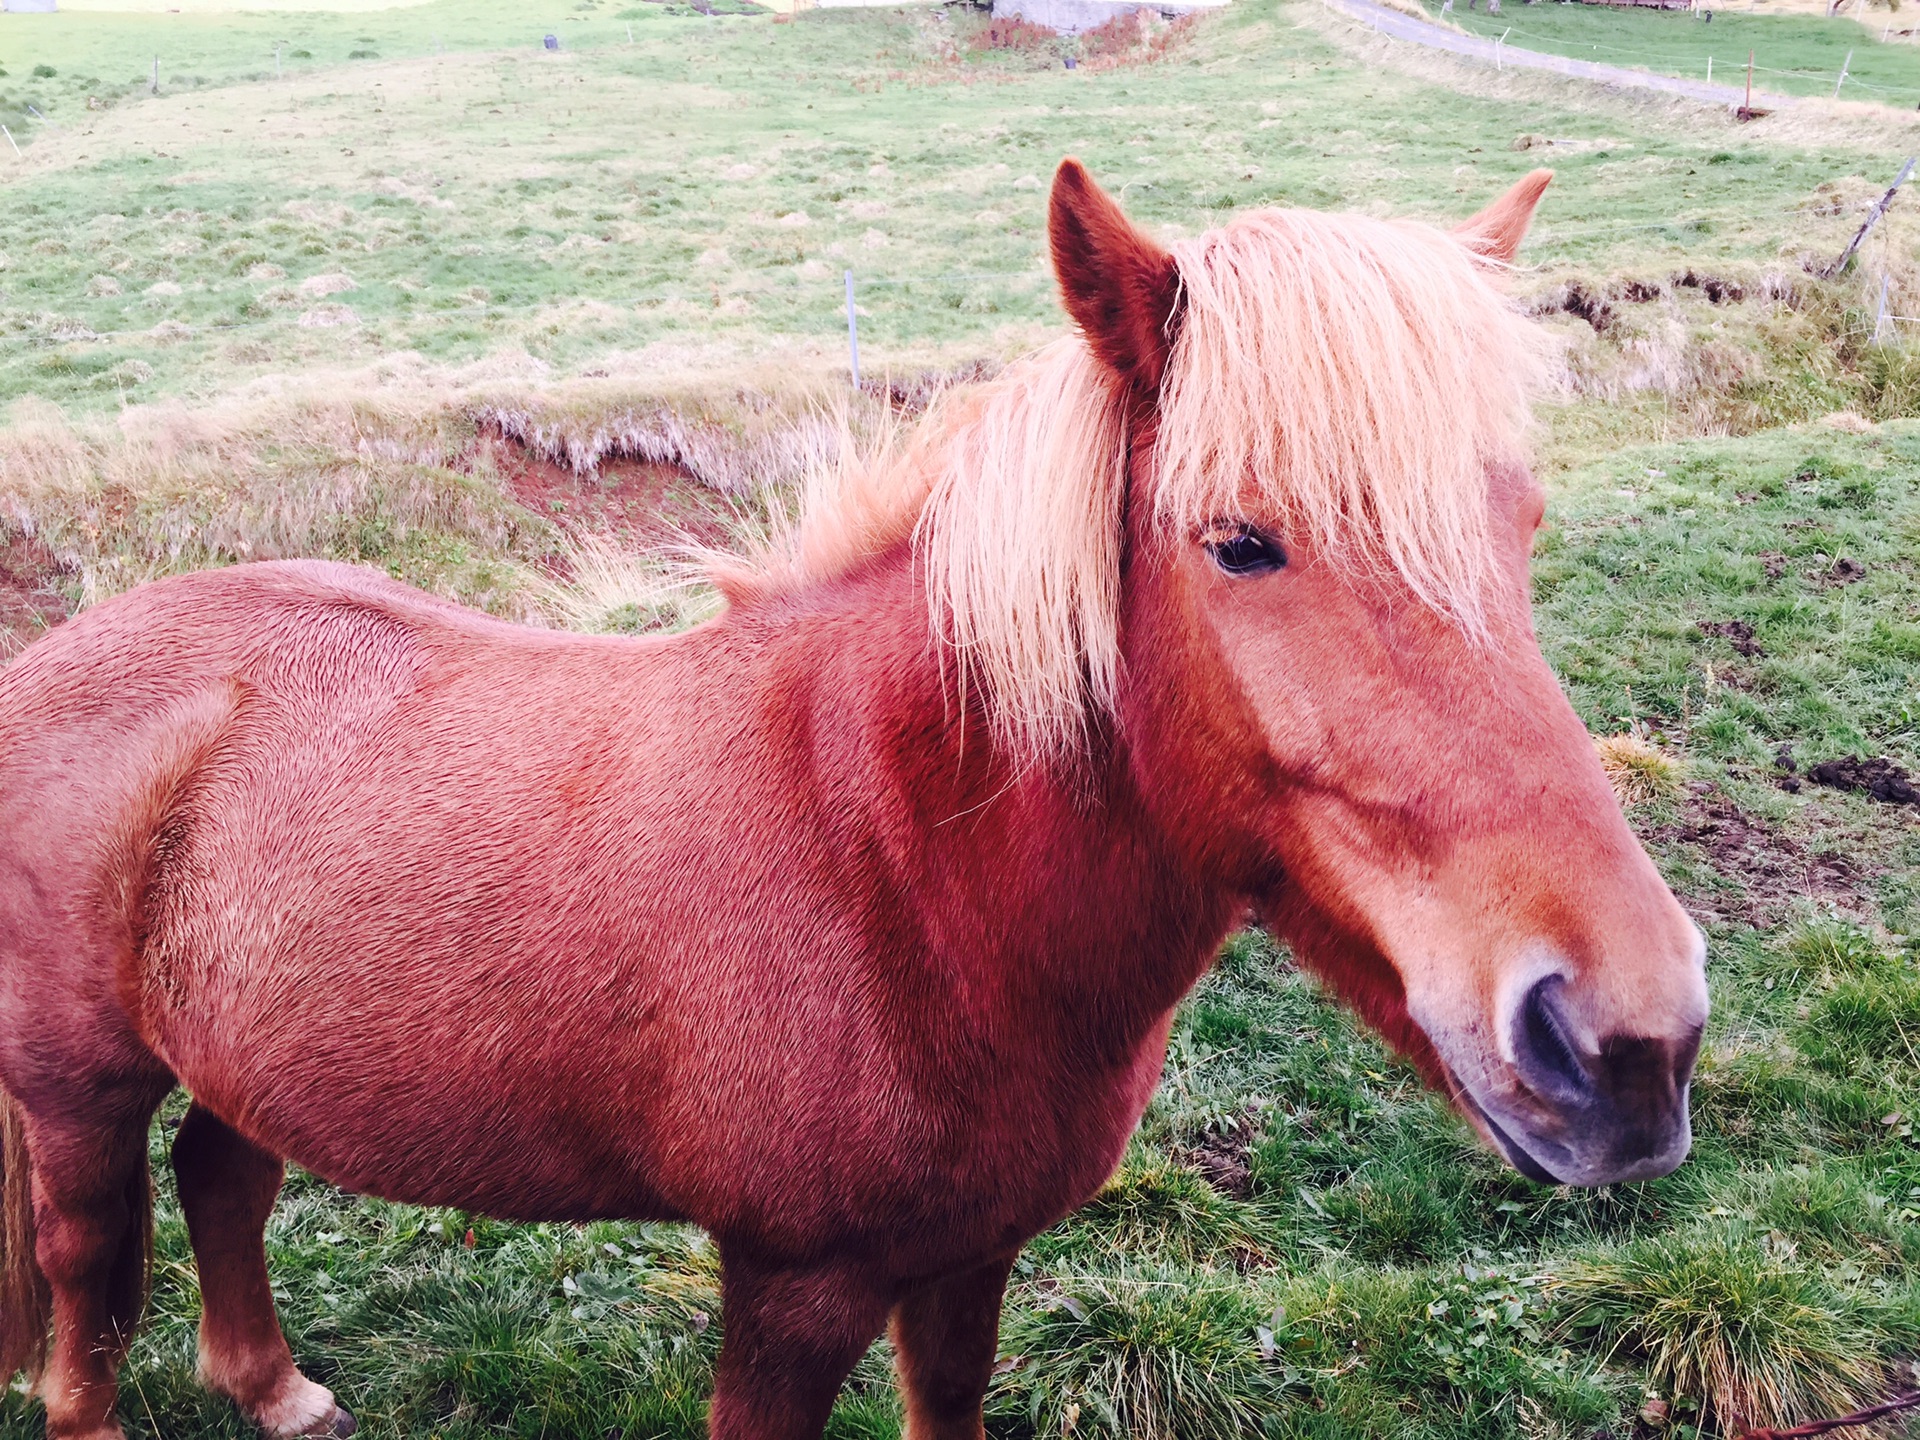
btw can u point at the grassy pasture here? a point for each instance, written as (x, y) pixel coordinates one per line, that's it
(695, 196)
(1301, 1243)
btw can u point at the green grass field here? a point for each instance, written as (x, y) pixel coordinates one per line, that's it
(1302, 1242)
(1792, 54)
(706, 186)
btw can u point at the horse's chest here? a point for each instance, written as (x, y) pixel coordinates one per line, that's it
(1029, 1147)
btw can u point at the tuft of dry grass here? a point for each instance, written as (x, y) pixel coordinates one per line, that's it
(1638, 769)
(613, 591)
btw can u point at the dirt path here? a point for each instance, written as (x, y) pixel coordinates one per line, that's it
(1404, 27)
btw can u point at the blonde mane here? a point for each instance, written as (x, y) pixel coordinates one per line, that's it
(1345, 380)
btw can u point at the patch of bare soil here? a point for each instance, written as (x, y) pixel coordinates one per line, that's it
(1770, 868)
(636, 504)
(1737, 633)
(31, 603)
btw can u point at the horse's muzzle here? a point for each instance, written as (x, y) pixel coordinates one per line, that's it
(1590, 1117)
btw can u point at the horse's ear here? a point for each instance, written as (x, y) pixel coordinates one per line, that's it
(1496, 232)
(1119, 287)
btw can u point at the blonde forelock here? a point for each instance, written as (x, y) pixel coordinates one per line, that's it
(1349, 381)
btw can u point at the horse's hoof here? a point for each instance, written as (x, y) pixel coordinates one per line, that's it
(337, 1426)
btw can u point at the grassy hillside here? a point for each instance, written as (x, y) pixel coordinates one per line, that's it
(696, 194)
(558, 307)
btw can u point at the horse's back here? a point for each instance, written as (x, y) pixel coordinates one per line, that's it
(109, 667)
(103, 720)
(375, 860)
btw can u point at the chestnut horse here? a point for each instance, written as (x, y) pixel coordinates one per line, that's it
(850, 924)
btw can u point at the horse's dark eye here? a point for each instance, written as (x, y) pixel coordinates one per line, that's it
(1242, 550)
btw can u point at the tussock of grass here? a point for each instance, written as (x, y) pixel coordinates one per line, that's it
(1143, 1353)
(1821, 952)
(1831, 1213)
(1728, 1325)
(1831, 947)
(1155, 1210)
(1868, 1029)
(1639, 770)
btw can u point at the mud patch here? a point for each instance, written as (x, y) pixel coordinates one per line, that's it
(636, 504)
(1737, 633)
(31, 601)
(1223, 1160)
(1769, 869)
(1879, 777)
(1718, 290)
(1575, 299)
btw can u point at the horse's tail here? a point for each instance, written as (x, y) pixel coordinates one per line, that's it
(26, 1305)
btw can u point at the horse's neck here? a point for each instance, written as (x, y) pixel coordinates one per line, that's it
(1047, 893)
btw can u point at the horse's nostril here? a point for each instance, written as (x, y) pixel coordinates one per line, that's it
(1542, 1045)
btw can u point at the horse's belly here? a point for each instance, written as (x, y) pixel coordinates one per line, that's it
(383, 1100)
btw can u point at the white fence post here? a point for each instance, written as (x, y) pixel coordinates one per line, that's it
(853, 335)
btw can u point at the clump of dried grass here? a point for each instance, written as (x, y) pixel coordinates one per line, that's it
(610, 591)
(1638, 769)
(735, 441)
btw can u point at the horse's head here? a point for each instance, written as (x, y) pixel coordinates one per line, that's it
(1325, 611)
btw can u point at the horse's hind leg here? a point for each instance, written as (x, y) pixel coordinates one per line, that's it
(227, 1189)
(92, 1216)
(943, 1338)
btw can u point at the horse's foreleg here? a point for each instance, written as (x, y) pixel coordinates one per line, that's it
(227, 1189)
(944, 1339)
(792, 1337)
(92, 1230)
